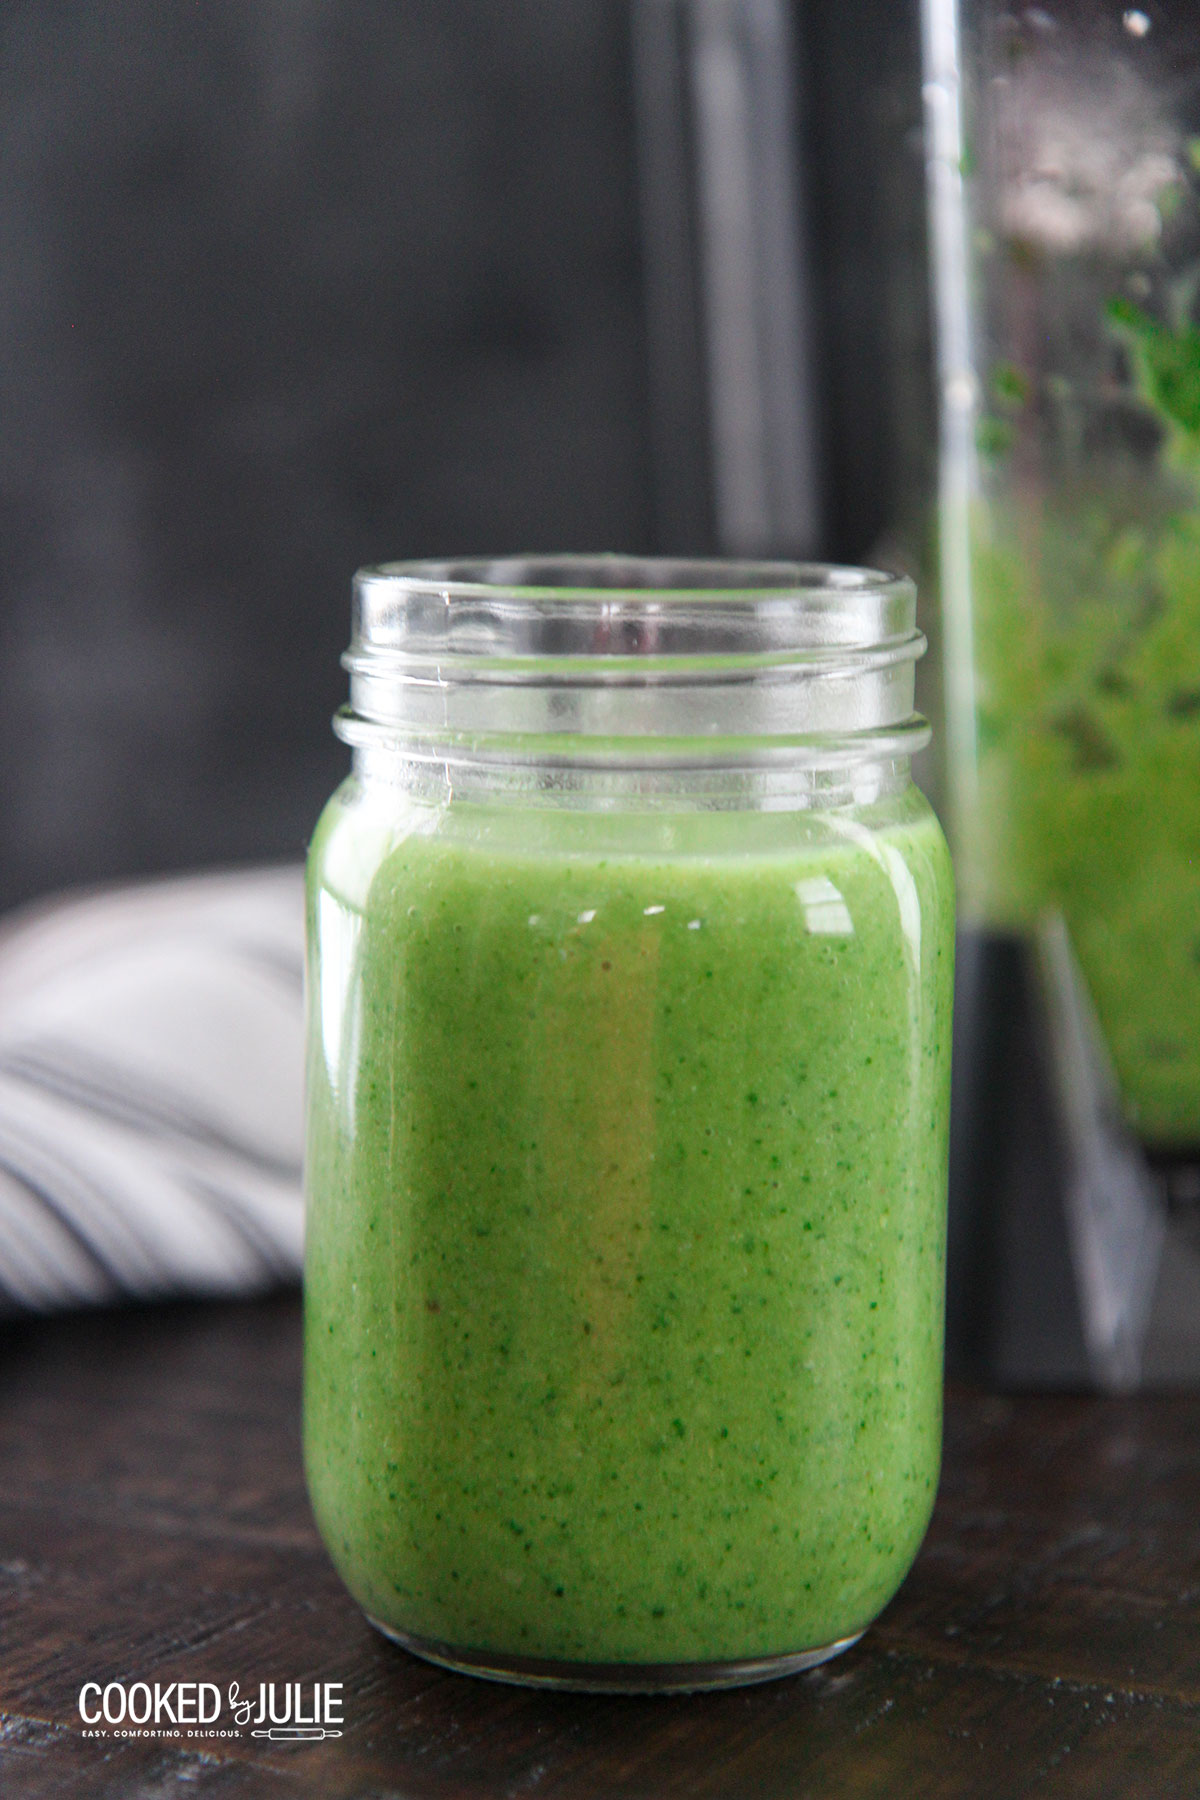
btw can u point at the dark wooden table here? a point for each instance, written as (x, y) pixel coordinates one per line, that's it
(153, 1526)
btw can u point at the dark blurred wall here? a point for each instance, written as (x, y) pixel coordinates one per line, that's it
(861, 113)
(285, 286)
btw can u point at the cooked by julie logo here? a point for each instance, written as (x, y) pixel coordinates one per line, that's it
(283, 1711)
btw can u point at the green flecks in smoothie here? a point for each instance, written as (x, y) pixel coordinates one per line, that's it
(669, 1406)
(1087, 632)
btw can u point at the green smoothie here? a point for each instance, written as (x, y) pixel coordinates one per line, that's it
(626, 1176)
(1087, 632)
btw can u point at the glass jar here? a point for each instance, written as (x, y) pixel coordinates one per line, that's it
(1066, 223)
(630, 965)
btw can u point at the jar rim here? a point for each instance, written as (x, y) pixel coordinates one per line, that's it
(607, 577)
(608, 609)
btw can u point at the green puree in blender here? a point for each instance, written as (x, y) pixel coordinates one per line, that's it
(624, 1283)
(1087, 628)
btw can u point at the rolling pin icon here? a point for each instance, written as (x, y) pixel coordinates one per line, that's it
(296, 1734)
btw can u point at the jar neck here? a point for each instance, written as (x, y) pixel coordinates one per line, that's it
(576, 786)
(616, 683)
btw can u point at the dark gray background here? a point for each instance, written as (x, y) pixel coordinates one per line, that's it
(291, 285)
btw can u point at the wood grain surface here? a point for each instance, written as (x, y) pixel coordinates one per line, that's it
(154, 1526)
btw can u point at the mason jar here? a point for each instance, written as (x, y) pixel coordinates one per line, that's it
(630, 970)
(1065, 190)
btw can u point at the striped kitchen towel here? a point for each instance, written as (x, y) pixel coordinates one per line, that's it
(150, 1092)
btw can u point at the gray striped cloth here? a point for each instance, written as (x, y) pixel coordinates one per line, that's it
(150, 1092)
